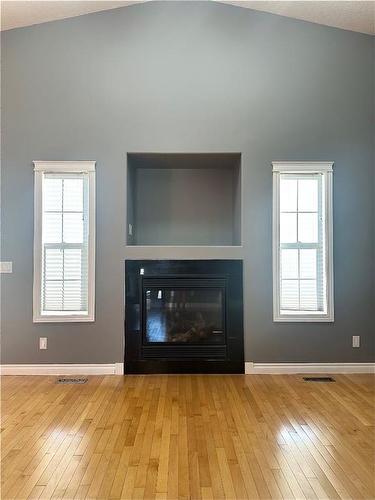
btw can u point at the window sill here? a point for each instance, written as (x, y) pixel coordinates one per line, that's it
(289, 318)
(63, 319)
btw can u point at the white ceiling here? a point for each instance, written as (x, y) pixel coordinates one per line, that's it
(355, 15)
(17, 13)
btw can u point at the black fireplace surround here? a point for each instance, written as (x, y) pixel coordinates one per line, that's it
(184, 316)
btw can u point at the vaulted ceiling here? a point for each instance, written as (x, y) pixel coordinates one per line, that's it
(353, 15)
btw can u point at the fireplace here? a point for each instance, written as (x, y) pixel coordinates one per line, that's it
(183, 316)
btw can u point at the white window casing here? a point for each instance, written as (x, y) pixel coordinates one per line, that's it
(302, 242)
(64, 241)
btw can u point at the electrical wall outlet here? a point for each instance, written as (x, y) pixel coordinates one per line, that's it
(42, 343)
(356, 341)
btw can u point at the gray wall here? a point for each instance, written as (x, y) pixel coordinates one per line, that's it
(182, 207)
(190, 77)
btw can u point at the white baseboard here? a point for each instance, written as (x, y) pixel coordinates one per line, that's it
(63, 369)
(285, 368)
(250, 368)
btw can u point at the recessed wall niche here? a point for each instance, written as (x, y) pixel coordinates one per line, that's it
(184, 199)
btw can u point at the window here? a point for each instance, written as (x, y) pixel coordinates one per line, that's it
(64, 241)
(302, 242)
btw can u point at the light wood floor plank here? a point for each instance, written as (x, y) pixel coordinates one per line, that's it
(188, 437)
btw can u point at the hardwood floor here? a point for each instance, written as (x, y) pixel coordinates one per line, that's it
(188, 437)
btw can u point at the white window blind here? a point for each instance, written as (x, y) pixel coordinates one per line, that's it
(64, 242)
(302, 242)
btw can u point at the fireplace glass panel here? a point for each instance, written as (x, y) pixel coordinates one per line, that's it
(184, 315)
